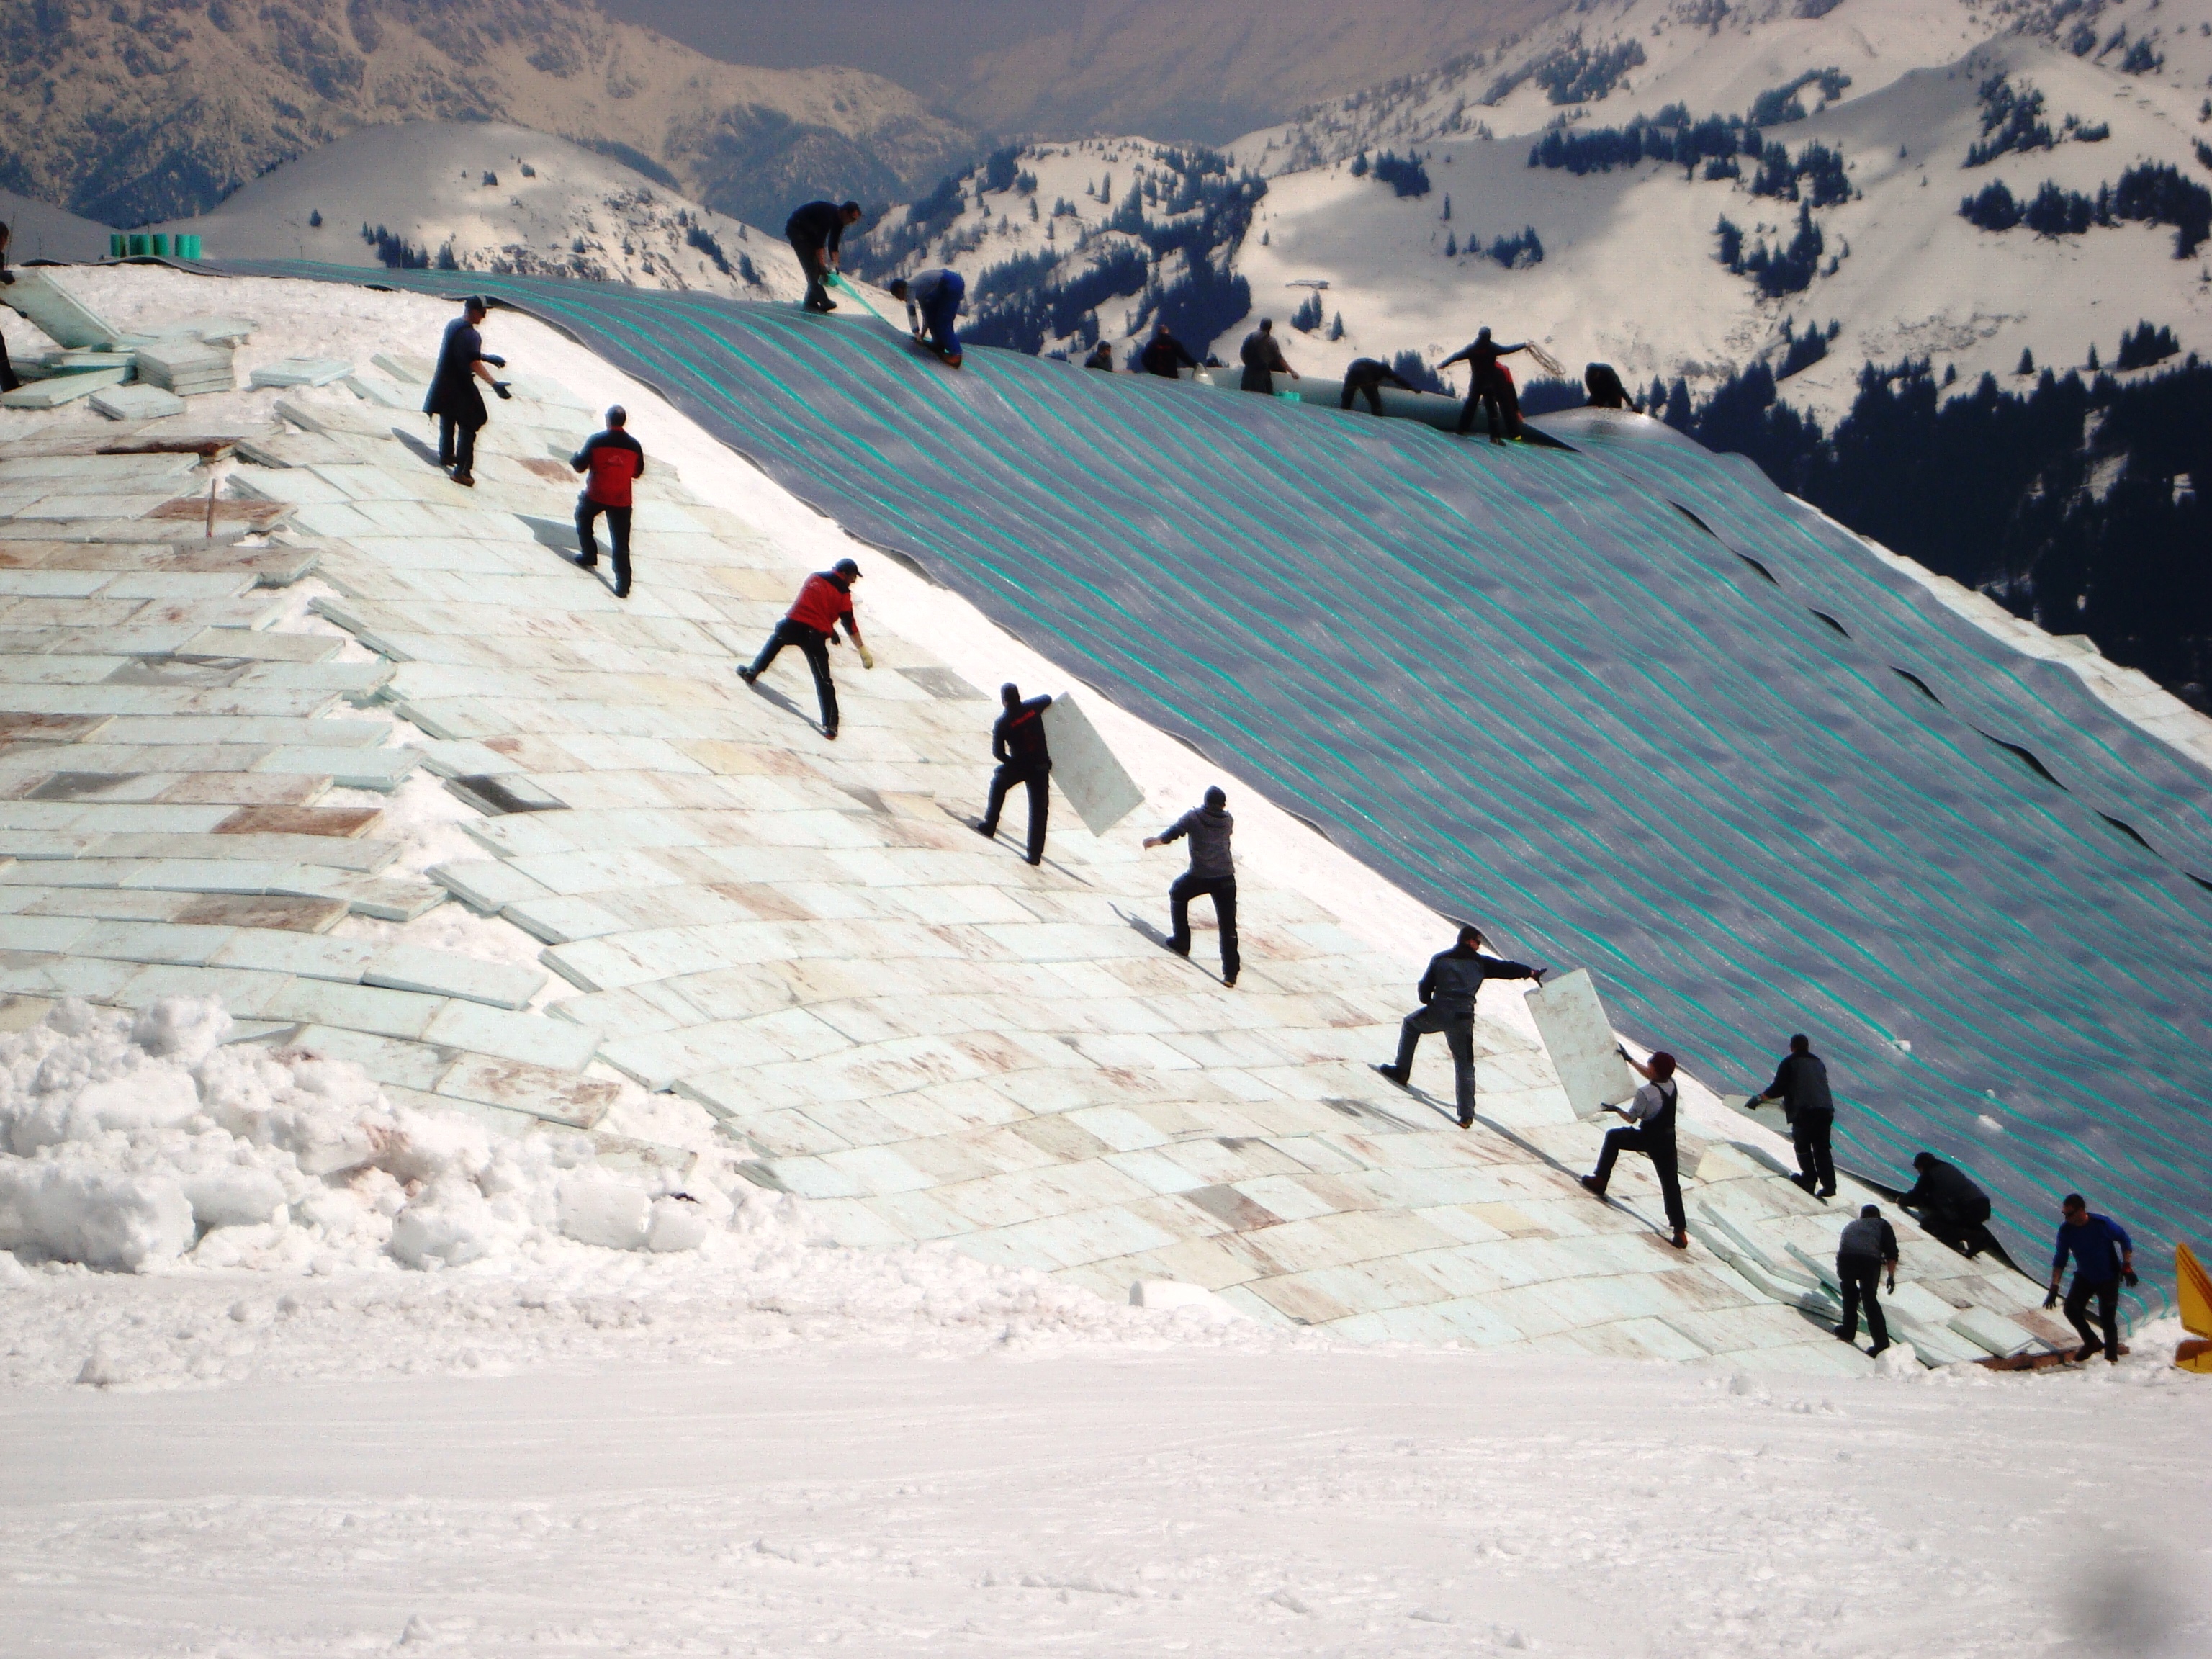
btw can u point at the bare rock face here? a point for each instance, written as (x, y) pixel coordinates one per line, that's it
(155, 112)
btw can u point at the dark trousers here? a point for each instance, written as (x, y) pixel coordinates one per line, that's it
(1661, 1153)
(587, 513)
(8, 381)
(1190, 885)
(1459, 1036)
(814, 644)
(1038, 778)
(1862, 1277)
(456, 445)
(1966, 1232)
(810, 261)
(1370, 391)
(2108, 1314)
(1809, 1133)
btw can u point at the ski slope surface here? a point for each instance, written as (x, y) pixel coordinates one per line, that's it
(1616, 700)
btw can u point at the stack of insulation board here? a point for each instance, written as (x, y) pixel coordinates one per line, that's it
(187, 366)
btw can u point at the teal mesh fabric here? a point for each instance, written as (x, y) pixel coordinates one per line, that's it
(1549, 690)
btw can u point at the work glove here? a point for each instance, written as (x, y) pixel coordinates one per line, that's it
(2129, 1273)
(500, 386)
(2051, 1301)
(496, 363)
(868, 661)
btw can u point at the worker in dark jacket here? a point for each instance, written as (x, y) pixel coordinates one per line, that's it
(453, 397)
(1954, 1210)
(1489, 388)
(1165, 357)
(2103, 1255)
(1800, 1083)
(817, 232)
(933, 299)
(1018, 743)
(1366, 378)
(825, 599)
(8, 381)
(614, 461)
(1263, 359)
(1650, 1131)
(1101, 357)
(1868, 1245)
(1602, 382)
(1448, 993)
(1213, 870)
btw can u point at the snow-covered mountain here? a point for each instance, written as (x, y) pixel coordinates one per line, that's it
(489, 196)
(1908, 99)
(128, 114)
(1065, 243)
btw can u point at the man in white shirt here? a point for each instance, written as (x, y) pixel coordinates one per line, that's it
(1650, 1118)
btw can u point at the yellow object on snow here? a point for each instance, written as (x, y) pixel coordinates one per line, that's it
(2195, 1291)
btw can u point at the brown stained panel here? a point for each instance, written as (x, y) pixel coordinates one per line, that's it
(290, 915)
(1230, 1207)
(282, 820)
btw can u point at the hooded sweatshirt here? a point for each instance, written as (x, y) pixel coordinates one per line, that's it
(1209, 829)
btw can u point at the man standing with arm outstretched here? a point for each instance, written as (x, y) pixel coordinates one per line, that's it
(1448, 993)
(1213, 870)
(824, 600)
(1650, 1131)
(1800, 1083)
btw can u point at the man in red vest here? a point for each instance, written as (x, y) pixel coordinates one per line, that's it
(613, 460)
(824, 600)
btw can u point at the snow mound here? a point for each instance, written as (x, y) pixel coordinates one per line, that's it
(136, 1143)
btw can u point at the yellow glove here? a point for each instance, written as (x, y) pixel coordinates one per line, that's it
(867, 656)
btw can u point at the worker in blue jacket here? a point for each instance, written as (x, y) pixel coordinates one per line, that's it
(933, 300)
(2103, 1255)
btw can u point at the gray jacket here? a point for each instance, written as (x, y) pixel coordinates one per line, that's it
(1455, 975)
(1209, 830)
(1870, 1237)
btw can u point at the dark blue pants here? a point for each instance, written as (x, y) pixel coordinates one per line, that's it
(941, 315)
(1002, 783)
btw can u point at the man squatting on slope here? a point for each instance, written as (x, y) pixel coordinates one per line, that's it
(932, 305)
(1651, 1131)
(825, 599)
(614, 459)
(2103, 1255)
(1489, 387)
(1365, 378)
(1800, 1083)
(1954, 1210)
(1448, 993)
(453, 397)
(1212, 870)
(816, 232)
(1018, 743)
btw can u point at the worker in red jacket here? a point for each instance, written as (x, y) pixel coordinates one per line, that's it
(824, 600)
(614, 460)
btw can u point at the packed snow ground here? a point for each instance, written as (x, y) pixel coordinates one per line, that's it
(1021, 1502)
(308, 1446)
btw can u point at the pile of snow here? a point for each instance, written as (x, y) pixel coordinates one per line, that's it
(128, 1142)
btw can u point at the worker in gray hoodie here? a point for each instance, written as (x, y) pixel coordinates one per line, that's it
(1868, 1245)
(1213, 870)
(1447, 992)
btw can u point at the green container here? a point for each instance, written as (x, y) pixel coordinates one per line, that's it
(117, 245)
(137, 244)
(161, 245)
(188, 248)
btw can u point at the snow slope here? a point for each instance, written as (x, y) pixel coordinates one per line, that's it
(45, 232)
(574, 214)
(1631, 275)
